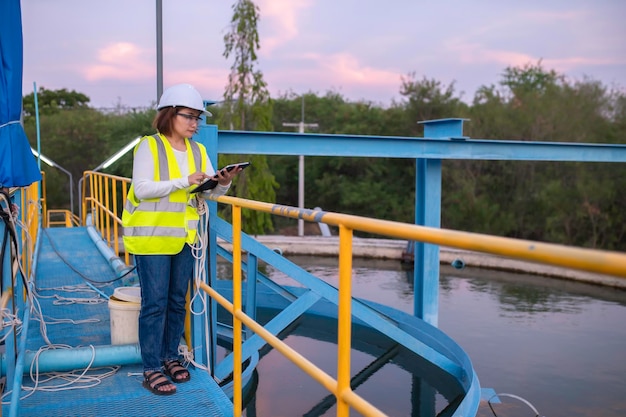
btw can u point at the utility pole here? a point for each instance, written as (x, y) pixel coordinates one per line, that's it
(159, 47)
(301, 127)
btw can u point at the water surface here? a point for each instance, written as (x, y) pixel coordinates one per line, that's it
(557, 344)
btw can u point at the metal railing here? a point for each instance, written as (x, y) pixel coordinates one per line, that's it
(61, 217)
(102, 200)
(605, 262)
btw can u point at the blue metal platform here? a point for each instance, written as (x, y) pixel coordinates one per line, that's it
(68, 257)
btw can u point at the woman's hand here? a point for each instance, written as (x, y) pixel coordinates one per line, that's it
(224, 177)
(197, 178)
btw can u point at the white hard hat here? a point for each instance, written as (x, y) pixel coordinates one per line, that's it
(182, 95)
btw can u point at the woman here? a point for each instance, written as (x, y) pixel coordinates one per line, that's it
(160, 222)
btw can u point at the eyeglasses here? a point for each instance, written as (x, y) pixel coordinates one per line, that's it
(190, 117)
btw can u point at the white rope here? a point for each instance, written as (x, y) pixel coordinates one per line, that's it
(15, 254)
(188, 357)
(69, 380)
(199, 252)
(517, 397)
(9, 320)
(73, 300)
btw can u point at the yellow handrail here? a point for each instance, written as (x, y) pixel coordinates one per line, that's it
(103, 203)
(67, 218)
(31, 205)
(591, 260)
(100, 199)
(585, 259)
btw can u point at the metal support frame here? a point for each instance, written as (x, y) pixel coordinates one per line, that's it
(428, 213)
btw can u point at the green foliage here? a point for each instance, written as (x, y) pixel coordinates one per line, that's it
(247, 106)
(72, 139)
(246, 99)
(53, 101)
(248, 184)
(427, 100)
(556, 202)
(570, 203)
(122, 129)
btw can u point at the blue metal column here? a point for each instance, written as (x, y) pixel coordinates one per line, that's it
(207, 136)
(428, 213)
(252, 273)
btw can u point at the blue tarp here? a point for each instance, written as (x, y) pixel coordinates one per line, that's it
(18, 166)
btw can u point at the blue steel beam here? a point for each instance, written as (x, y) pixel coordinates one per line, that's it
(459, 147)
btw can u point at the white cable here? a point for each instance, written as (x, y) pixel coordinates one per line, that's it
(73, 379)
(199, 251)
(70, 380)
(34, 304)
(188, 357)
(73, 300)
(517, 397)
(9, 320)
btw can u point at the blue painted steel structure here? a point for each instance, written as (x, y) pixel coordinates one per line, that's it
(443, 139)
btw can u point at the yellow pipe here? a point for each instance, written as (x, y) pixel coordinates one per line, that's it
(607, 262)
(344, 318)
(320, 376)
(303, 363)
(237, 338)
(360, 405)
(6, 296)
(592, 260)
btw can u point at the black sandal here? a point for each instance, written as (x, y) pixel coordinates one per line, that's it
(175, 370)
(155, 380)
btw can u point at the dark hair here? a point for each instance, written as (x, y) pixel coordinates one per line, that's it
(164, 119)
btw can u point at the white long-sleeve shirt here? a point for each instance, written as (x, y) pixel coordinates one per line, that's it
(143, 175)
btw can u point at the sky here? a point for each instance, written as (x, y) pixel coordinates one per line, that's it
(361, 49)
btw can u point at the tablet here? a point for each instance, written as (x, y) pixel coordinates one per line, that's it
(211, 183)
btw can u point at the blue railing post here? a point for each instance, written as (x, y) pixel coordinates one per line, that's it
(207, 136)
(428, 213)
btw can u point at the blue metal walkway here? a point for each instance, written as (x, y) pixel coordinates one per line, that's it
(68, 259)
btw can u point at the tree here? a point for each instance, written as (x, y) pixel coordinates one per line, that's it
(247, 99)
(428, 100)
(73, 139)
(247, 105)
(53, 101)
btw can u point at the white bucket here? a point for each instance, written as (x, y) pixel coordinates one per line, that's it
(124, 308)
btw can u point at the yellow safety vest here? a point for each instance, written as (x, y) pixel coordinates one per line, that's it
(162, 226)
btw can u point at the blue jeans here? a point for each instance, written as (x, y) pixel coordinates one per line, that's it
(164, 280)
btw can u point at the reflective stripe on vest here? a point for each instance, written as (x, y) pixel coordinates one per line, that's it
(163, 225)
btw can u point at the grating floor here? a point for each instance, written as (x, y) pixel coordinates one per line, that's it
(76, 316)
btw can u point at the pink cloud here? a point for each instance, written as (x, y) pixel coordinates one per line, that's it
(347, 69)
(119, 61)
(334, 71)
(280, 18)
(475, 53)
(210, 82)
(572, 62)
